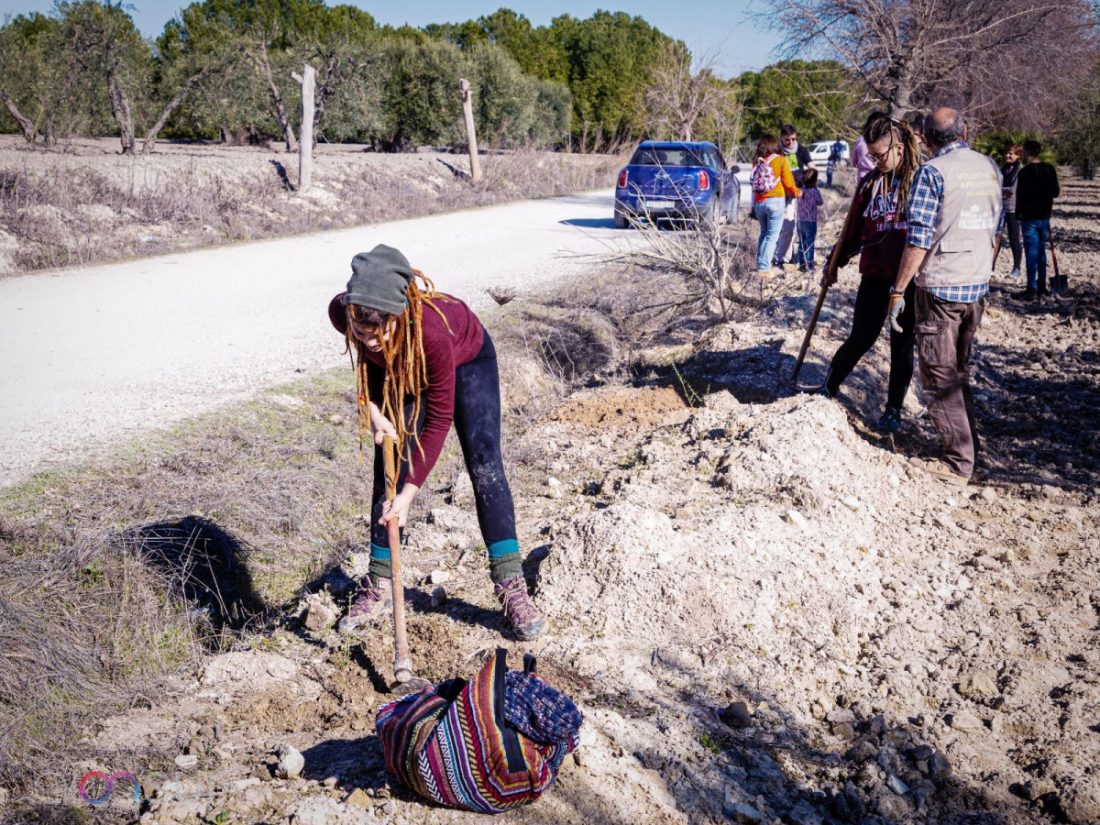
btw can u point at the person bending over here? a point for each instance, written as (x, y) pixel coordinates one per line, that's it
(422, 361)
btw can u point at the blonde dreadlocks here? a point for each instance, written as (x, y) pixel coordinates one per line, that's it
(900, 132)
(406, 367)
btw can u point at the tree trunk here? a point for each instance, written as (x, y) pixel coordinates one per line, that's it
(176, 102)
(120, 108)
(902, 100)
(264, 65)
(324, 92)
(30, 131)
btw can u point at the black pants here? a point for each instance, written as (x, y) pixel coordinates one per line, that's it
(872, 303)
(477, 423)
(1015, 238)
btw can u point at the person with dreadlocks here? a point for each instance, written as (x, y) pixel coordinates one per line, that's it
(877, 235)
(422, 361)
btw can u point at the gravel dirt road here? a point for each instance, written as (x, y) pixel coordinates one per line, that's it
(91, 355)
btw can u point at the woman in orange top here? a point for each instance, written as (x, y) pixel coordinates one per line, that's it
(772, 183)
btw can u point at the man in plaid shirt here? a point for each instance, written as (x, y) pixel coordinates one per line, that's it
(955, 221)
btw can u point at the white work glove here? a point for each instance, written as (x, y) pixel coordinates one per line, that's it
(896, 308)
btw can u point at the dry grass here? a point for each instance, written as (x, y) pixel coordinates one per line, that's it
(58, 210)
(119, 575)
(83, 622)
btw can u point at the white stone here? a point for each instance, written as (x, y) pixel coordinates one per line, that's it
(291, 762)
(439, 576)
(797, 519)
(186, 761)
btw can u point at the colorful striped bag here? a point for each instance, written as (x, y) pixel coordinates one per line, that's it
(469, 745)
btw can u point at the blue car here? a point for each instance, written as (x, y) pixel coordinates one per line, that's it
(679, 181)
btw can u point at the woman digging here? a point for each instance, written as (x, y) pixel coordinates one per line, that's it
(422, 360)
(877, 235)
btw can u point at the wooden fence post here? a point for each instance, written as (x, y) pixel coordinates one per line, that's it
(468, 111)
(305, 129)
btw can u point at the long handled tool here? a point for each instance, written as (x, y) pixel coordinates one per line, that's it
(828, 278)
(402, 662)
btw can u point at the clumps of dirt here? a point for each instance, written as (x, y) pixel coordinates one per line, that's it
(622, 407)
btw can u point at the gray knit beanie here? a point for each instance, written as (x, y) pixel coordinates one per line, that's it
(379, 279)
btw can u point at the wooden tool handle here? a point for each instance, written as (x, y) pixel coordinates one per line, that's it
(402, 663)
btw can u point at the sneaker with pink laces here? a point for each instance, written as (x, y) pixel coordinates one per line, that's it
(519, 610)
(370, 600)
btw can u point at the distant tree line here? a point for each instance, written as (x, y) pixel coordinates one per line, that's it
(221, 69)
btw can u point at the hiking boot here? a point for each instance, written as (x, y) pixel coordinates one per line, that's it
(370, 600)
(1015, 273)
(1026, 295)
(519, 610)
(890, 421)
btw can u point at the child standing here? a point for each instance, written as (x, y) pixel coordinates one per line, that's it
(807, 220)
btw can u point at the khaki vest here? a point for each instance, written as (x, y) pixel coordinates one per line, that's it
(962, 242)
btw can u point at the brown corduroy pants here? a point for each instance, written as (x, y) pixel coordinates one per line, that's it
(945, 337)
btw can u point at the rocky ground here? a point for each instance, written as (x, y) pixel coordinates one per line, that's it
(766, 612)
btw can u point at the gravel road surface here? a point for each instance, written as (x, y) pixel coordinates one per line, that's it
(91, 356)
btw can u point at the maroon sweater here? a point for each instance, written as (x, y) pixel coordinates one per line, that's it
(877, 232)
(444, 351)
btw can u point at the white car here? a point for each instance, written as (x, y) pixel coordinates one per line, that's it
(820, 151)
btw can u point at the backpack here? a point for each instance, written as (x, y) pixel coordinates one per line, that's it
(763, 177)
(486, 745)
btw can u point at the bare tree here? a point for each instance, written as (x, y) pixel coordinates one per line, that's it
(677, 99)
(909, 53)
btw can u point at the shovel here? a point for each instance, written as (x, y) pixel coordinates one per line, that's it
(404, 681)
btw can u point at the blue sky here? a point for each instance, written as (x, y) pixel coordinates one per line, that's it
(720, 28)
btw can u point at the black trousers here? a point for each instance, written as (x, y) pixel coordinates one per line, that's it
(872, 303)
(477, 423)
(1015, 238)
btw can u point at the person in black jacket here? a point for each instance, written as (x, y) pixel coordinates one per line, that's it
(1036, 189)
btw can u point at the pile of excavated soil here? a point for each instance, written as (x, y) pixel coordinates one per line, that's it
(766, 612)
